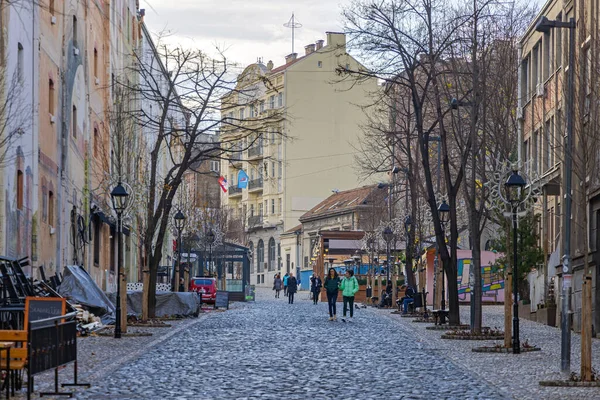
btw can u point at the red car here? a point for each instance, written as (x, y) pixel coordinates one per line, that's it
(206, 286)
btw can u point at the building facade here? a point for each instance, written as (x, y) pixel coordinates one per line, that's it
(288, 167)
(543, 108)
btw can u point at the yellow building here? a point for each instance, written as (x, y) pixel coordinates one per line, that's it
(289, 173)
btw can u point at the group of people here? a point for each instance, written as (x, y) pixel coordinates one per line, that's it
(403, 302)
(332, 286)
(289, 285)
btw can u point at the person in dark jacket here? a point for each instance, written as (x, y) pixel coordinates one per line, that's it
(315, 287)
(277, 285)
(292, 286)
(332, 282)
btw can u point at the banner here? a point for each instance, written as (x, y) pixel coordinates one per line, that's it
(223, 183)
(242, 179)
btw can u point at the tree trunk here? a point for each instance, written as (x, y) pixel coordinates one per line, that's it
(477, 289)
(123, 302)
(452, 284)
(146, 290)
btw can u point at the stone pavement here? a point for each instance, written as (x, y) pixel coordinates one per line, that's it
(518, 375)
(271, 350)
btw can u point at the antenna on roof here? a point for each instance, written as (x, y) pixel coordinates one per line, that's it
(292, 23)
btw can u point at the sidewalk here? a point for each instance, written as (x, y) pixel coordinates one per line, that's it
(516, 375)
(99, 356)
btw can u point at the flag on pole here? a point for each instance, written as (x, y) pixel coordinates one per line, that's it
(242, 179)
(223, 183)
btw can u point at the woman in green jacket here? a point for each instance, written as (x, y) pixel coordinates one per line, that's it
(349, 287)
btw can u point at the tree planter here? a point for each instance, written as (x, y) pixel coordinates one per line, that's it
(467, 335)
(570, 384)
(447, 327)
(546, 315)
(506, 350)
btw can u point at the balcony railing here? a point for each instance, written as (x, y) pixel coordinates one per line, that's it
(234, 190)
(255, 151)
(255, 184)
(255, 220)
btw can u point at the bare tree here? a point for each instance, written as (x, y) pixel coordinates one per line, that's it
(195, 95)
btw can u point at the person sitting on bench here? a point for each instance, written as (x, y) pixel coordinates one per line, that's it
(407, 299)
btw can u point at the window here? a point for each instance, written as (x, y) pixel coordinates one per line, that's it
(535, 65)
(251, 254)
(75, 31)
(526, 156)
(547, 56)
(20, 62)
(20, 190)
(74, 122)
(272, 102)
(51, 97)
(320, 64)
(51, 7)
(266, 208)
(280, 100)
(252, 210)
(546, 146)
(242, 113)
(262, 106)
(260, 210)
(273, 139)
(272, 254)
(558, 42)
(273, 168)
(50, 208)
(272, 206)
(525, 93)
(214, 166)
(260, 255)
(96, 63)
(280, 167)
(96, 142)
(252, 111)
(535, 143)
(280, 208)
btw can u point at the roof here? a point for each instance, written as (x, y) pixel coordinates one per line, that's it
(347, 200)
(286, 66)
(294, 229)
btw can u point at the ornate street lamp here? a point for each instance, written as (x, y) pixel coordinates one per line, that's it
(119, 197)
(514, 187)
(179, 222)
(444, 215)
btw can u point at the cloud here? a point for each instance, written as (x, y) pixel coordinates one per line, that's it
(247, 29)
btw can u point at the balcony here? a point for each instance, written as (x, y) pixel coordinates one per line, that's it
(256, 184)
(255, 221)
(235, 191)
(255, 152)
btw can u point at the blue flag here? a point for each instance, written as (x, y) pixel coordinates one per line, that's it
(242, 179)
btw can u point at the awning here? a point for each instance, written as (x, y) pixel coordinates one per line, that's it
(108, 221)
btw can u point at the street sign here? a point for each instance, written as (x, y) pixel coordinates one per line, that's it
(222, 299)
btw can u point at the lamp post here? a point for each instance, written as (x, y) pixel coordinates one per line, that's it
(545, 25)
(444, 215)
(388, 235)
(357, 260)
(407, 227)
(210, 238)
(179, 221)
(514, 194)
(119, 197)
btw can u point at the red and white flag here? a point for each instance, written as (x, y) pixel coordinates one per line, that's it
(223, 183)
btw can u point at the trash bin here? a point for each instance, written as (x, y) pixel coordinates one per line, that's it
(369, 292)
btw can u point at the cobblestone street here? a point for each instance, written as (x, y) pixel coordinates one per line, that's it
(270, 349)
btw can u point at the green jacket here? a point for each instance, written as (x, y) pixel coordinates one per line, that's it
(349, 286)
(331, 285)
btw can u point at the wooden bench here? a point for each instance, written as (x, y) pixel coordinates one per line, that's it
(18, 356)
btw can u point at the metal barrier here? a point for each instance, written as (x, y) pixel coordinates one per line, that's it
(52, 346)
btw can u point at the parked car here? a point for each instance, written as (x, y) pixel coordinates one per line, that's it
(206, 286)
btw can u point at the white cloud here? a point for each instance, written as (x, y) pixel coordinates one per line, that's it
(247, 29)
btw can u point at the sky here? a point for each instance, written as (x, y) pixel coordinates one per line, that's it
(246, 30)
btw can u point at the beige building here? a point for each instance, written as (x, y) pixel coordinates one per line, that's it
(290, 173)
(542, 111)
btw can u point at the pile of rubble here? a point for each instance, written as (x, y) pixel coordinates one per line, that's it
(87, 321)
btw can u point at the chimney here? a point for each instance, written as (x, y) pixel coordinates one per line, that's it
(290, 57)
(309, 49)
(337, 40)
(269, 65)
(320, 44)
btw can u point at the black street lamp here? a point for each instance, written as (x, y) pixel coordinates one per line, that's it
(119, 197)
(514, 194)
(210, 238)
(357, 259)
(179, 221)
(444, 215)
(388, 236)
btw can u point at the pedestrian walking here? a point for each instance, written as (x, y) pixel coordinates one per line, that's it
(332, 282)
(285, 283)
(291, 288)
(349, 287)
(315, 287)
(277, 284)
